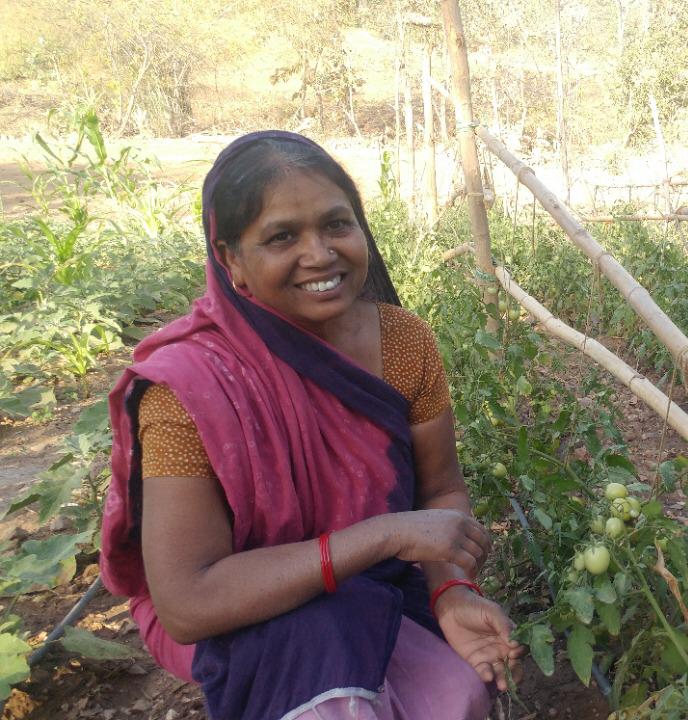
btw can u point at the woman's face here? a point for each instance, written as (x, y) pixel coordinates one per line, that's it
(305, 255)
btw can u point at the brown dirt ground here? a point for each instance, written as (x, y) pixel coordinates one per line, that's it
(65, 687)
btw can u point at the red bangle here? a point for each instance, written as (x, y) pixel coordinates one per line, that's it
(452, 583)
(326, 564)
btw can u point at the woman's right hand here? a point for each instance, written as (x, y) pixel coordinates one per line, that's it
(441, 535)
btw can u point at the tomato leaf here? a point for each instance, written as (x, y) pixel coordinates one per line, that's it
(544, 519)
(653, 509)
(541, 640)
(581, 600)
(604, 590)
(610, 616)
(579, 646)
(487, 341)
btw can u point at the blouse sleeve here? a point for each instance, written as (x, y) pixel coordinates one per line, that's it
(412, 363)
(170, 443)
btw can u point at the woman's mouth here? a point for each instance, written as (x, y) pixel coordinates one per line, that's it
(321, 286)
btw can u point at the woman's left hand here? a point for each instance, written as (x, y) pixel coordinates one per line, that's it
(479, 631)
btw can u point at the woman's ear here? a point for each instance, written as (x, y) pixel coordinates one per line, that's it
(232, 261)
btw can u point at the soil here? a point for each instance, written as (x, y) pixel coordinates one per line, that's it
(63, 686)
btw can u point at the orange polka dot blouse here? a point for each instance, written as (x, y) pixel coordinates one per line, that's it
(171, 445)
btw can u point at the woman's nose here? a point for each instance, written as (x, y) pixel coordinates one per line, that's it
(315, 250)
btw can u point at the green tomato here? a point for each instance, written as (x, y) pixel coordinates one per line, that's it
(491, 290)
(596, 559)
(514, 314)
(636, 508)
(572, 576)
(662, 543)
(579, 561)
(614, 527)
(481, 509)
(499, 470)
(503, 306)
(597, 525)
(615, 490)
(621, 508)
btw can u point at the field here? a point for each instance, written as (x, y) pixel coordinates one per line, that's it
(101, 246)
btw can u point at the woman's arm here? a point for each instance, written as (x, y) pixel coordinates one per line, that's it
(200, 588)
(475, 627)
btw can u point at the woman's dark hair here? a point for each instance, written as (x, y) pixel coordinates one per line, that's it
(237, 199)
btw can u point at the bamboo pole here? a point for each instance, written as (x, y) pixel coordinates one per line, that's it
(635, 218)
(634, 294)
(640, 386)
(461, 95)
(429, 140)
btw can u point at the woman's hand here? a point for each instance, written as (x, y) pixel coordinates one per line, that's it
(441, 535)
(479, 631)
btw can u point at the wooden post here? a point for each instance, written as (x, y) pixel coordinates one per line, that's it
(429, 140)
(461, 91)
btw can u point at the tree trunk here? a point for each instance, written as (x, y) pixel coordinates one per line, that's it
(429, 140)
(410, 142)
(461, 90)
(561, 119)
(397, 118)
(662, 152)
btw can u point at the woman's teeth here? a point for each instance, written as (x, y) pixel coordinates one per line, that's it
(322, 286)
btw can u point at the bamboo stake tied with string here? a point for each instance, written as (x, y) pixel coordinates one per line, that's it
(636, 383)
(634, 294)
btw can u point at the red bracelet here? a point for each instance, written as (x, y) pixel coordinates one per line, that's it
(326, 564)
(452, 583)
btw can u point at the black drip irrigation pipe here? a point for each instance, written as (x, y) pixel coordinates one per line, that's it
(58, 631)
(600, 678)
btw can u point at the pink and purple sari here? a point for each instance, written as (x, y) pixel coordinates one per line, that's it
(302, 441)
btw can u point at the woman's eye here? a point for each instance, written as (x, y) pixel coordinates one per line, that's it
(338, 225)
(280, 237)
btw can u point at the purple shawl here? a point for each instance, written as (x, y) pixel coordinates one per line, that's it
(303, 441)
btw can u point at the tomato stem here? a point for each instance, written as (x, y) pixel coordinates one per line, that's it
(658, 611)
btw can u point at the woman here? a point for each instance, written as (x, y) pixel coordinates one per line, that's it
(284, 456)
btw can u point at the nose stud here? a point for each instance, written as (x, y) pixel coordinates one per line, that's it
(331, 251)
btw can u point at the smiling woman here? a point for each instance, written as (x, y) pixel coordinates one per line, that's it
(284, 459)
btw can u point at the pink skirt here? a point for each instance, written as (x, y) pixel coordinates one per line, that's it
(425, 680)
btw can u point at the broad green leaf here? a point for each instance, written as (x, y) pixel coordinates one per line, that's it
(604, 590)
(581, 600)
(579, 646)
(653, 509)
(610, 616)
(56, 488)
(487, 341)
(45, 562)
(94, 418)
(541, 641)
(619, 461)
(544, 519)
(89, 645)
(13, 665)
